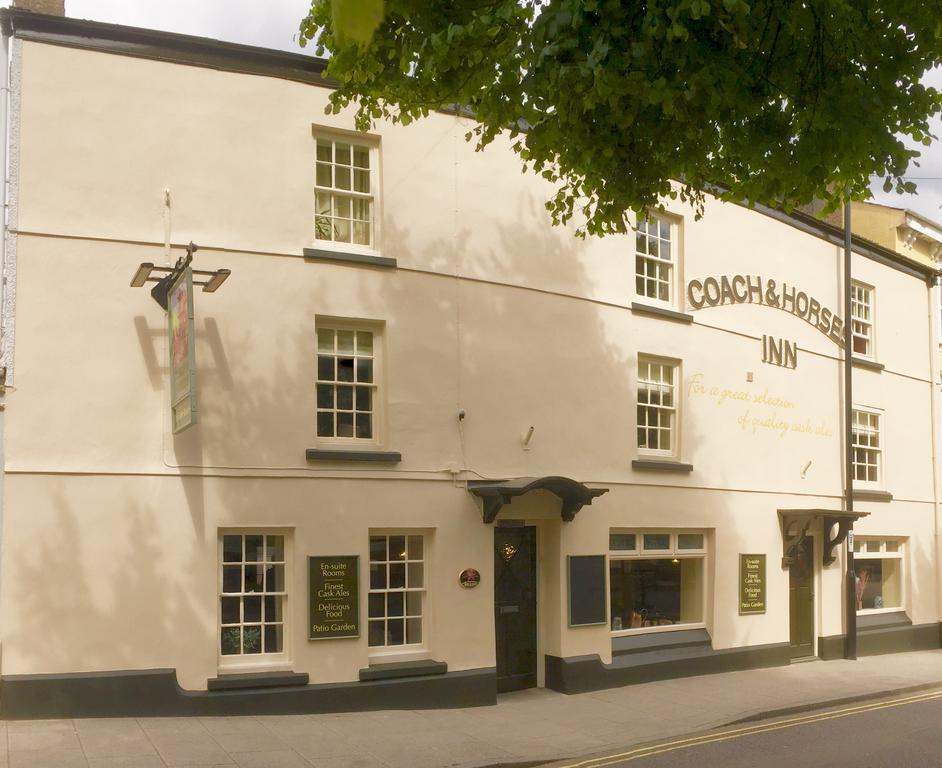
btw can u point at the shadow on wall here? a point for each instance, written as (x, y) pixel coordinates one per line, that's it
(111, 598)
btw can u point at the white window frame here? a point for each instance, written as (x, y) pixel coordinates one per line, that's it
(389, 654)
(673, 552)
(674, 450)
(860, 554)
(255, 661)
(863, 295)
(378, 399)
(370, 142)
(880, 482)
(673, 282)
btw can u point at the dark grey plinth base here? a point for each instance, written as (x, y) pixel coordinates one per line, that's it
(886, 633)
(154, 692)
(580, 674)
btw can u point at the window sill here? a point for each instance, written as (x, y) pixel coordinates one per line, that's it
(662, 312)
(633, 632)
(242, 681)
(332, 454)
(350, 257)
(862, 362)
(862, 494)
(403, 669)
(660, 465)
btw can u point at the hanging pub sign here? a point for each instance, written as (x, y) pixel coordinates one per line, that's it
(335, 596)
(751, 584)
(183, 403)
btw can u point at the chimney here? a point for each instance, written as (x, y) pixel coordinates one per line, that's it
(48, 7)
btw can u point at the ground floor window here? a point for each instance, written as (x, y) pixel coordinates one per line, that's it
(252, 594)
(656, 578)
(397, 590)
(878, 571)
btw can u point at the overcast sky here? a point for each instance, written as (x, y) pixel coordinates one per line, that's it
(274, 24)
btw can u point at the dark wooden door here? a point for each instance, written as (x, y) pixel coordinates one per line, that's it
(801, 599)
(515, 607)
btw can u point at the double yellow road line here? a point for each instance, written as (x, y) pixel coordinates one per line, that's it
(738, 733)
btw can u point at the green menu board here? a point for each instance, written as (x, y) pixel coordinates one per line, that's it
(335, 596)
(751, 584)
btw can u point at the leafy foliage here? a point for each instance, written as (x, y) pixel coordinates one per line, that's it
(770, 101)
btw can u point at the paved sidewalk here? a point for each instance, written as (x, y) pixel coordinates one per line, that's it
(534, 725)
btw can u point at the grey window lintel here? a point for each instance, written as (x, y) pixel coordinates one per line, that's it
(325, 254)
(657, 465)
(872, 365)
(865, 495)
(663, 312)
(330, 454)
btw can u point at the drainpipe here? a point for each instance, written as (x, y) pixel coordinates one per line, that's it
(933, 290)
(850, 592)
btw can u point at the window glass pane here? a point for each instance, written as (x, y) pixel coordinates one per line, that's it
(892, 546)
(231, 641)
(325, 425)
(325, 368)
(416, 575)
(395, 604)
(364, 343)
(397, 547)
(413, 631)
(273, 638)
(361, 233)
(345, 342)
(376, 605)
(377, 633)
(345, 369)
(273, 610)
(364, 426)
(873, 546)
(323, 175)
(254, 552)
(361, 157)
(395, 632)
(325, 396)
(232, 549)
(252, 640)
(689, 541)
(878, 584)
(657, 541)
(415, 548)
(342, 230)
(324, 150)
(230, 610)
(413, 603)
(622, 541)
(232, 578)
(655, 592)
(377, 577)
(361, 181)
(365, 370)
(344, 424)
(377, 548)
(342, 154)
(275, 578)
(254, 578)
(253, 609)
(345, 398)
(397, 575)
(363, 399)
(341, 179)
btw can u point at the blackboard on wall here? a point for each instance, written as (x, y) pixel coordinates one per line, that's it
(586, 590)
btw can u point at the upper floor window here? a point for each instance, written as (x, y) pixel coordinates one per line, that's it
(657, 405)
(861, 316)
(654, 259)
(345, 190)
(346, 381)
(867, 447)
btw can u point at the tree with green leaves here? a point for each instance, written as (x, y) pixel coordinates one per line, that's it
(622, 104)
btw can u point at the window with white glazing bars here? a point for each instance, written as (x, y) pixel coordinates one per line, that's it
(345, 383)
(654, 260)
(657, 405)
(344, 194)
(861, 314)
(866, 446)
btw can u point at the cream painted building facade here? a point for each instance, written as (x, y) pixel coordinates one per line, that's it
(411, 383)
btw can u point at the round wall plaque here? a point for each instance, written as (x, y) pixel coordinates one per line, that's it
(469, 578)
